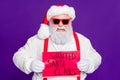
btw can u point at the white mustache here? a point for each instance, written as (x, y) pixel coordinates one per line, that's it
(61, 28)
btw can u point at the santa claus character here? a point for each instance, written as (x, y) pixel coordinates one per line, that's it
(55, 37)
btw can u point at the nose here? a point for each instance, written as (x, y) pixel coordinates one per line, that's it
(60, 24)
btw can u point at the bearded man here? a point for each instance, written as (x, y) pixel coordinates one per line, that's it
(58, 37)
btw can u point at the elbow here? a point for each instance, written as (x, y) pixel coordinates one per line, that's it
(95, 63)
(21, 63)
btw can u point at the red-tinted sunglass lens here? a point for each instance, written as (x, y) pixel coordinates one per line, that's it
(56, 21)
(65, 21)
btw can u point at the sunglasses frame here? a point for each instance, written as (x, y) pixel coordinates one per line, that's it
(61, 20)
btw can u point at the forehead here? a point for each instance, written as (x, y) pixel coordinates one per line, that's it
(62, 16)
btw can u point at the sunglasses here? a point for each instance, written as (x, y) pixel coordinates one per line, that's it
(57, 21)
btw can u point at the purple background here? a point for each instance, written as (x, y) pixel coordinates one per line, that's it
(99, 20)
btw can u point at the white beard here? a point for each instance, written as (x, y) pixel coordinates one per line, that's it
(60, 37)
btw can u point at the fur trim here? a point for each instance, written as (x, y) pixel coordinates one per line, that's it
(57, 10)
(43, 31)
